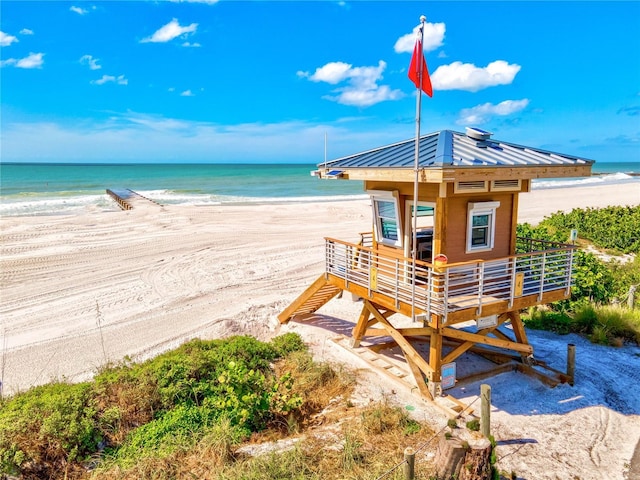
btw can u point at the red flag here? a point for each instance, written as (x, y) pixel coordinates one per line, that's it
(414, 70)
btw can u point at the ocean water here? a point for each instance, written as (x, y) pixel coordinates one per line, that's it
(50, 189)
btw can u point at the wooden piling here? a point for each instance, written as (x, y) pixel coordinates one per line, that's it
(571, 363)
(632, 296)
(485, 410)
(409, 463)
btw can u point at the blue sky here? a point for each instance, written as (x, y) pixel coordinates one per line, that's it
(264, 81)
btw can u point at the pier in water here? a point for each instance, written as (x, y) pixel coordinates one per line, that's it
(127, 199)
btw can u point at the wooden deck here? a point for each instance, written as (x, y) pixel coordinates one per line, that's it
(449, 293)
(437, 297)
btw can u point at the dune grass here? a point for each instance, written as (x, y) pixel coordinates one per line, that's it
(603, 324)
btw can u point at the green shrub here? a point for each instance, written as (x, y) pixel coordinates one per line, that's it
(624, 276)
(157, 406)
(603, 324)
(585, 319)
(473, 425)
(615, 228)
(539, 318)
(593, 280)
(288, 343)
(178, 429)
(57, 416)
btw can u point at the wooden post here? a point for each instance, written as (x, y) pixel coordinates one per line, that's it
(463, 459)
(485, 410)
(571, 363)
(409, 463)
(632, 296)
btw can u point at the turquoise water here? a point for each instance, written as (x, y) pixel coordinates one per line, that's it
(45, 189)
(616, 167)
(27, 189)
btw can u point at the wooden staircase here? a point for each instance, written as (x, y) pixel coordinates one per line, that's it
(314, 297)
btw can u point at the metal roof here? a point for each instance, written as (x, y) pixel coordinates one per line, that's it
(447, 148)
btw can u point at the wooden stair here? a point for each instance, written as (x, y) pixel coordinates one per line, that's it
(314, 297)
(400, 373)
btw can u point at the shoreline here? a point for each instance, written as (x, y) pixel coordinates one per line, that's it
(68, 202)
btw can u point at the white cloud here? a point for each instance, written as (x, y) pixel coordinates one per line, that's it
(365, 97)
(170, 31)
(119, 80)
(90, 61)
(433, 38)
(78, 10)
(26, 31)
(362, 89)
(187, 93)
(333, 72)
(34, 60)
(466, 76)
(6, 39)
(189, 44)
(483, 113)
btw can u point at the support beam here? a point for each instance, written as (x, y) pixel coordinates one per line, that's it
(360, 328)
(402, 342)
(451, 356)
(435, 360)
(518, 328)
(502, 335)
(416, 331)
(418, 375)
(494, 342)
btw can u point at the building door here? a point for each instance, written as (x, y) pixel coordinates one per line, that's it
(425, 230)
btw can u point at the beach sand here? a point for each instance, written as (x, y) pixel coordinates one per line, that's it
(80, 291)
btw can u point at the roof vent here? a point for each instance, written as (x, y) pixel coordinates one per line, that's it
(478, 134)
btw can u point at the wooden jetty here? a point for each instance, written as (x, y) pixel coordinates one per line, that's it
(127, 199)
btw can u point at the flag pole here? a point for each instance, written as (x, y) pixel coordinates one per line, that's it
(414, 249)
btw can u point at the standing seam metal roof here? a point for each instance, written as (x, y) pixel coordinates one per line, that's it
(447, 148)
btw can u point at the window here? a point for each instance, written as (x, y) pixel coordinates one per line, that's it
(481, 226)
(386, 217)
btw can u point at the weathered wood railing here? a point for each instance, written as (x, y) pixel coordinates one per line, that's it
(540, 267)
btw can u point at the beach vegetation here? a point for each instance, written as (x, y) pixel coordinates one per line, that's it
(153, 408)
(614, 228)
(199, 410)
(602, 283)
(473, 425)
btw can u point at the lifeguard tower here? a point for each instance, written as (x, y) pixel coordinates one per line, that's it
(469, 264)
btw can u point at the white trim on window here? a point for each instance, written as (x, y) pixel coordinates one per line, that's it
(386, 217)
(481, 226)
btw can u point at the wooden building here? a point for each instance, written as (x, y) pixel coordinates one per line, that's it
(470, 266)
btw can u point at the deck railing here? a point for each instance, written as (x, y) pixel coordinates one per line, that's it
(538, 267)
